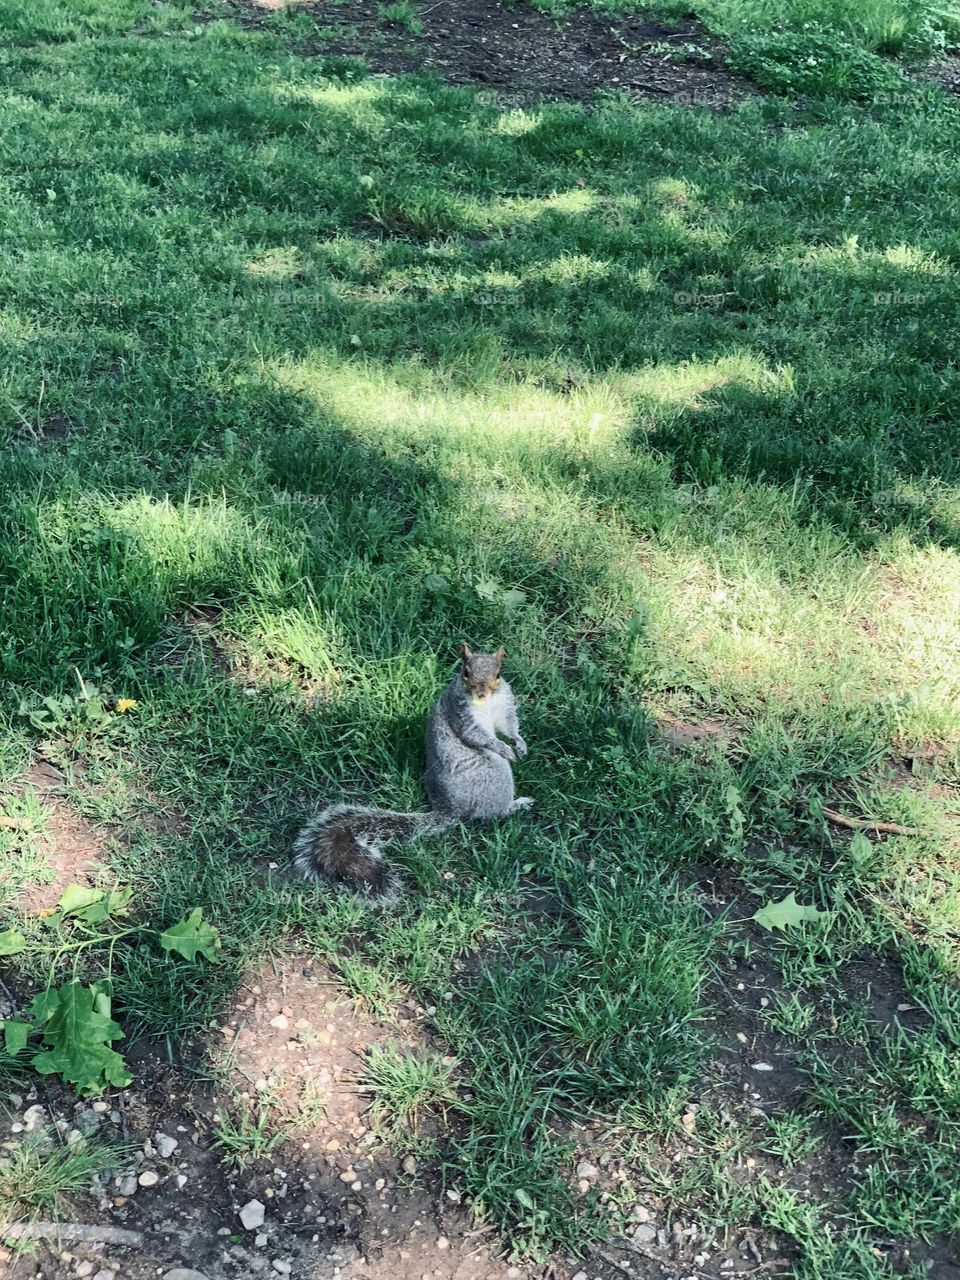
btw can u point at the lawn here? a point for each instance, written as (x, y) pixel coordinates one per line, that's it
(309, 374)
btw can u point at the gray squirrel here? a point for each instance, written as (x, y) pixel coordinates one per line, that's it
(468, 776)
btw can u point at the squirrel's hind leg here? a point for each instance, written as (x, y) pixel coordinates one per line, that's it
(521, 802)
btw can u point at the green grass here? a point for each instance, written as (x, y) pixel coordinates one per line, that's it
(406, 1086)
(307, 376)
(37, 1175)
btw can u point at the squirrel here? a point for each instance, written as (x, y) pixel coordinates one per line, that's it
(468, 776)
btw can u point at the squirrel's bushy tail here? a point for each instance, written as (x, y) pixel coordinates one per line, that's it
(343, 844)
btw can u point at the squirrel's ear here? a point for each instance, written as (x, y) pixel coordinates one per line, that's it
(500, 654)
(465, 652)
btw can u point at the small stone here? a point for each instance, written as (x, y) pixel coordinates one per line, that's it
(181, 1181)
(128, 1185)
(280, 1022)
(261, 1240)
(409, 1165)
(333, 1145)
(583, 1186)
(100, 1106)
(581, 1275)
(645, 1233)
(443, 1242)
(281, 1266)
(34, 1118)
(761, 1066)
(587, 1170)
(348, 1175)
(105, 1274)
(148, 1178)
(356, 1186)
(166, 1146)
(84, 1268)
(640, 1213)
(183, 1273)
(252, 1215)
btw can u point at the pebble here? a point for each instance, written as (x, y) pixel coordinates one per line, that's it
(104, 1274)
(166, 1146)
(586, 1170)
(100, 1106)
(280, 1022)
(409, 1164)
(148, 1178)
(443, 1242)
(761, 1066)
(261, 1240)
(34, 1118)
(348, 1175)
(252, 1215)
(581, 1275)
(640, 1213)
(127, 1185)
(181, 1181)
(645, 1233)
(84, 1268)
(281, 1266)
(183, 1273)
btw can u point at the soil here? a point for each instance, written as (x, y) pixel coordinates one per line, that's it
(520, 55)
(74, 852)
(337, 1199)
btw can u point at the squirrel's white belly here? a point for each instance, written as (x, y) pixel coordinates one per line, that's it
(489, 714)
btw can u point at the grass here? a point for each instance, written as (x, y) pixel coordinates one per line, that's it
(244, 1139)
(406, 1086)
(306, 377)
(37, 1175)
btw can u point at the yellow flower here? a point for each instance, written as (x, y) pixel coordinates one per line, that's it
(126, 704)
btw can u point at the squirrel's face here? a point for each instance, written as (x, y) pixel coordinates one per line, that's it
(480, 672)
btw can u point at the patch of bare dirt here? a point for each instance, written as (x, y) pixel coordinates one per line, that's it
(522, 55)
(678, 735)
(73, 851)
(330, 1199)
(945, 73)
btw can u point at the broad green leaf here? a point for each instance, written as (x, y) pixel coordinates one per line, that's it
(513, 599)
(436, 582)
(44, 1005)
(12, 942)
(15, 1036)
(192, 936)
(525, 1198)
(78, 1039)
(779, 915)
(76, 898)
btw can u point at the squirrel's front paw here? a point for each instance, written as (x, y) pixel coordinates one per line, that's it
(520, 747)
(505, 751)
